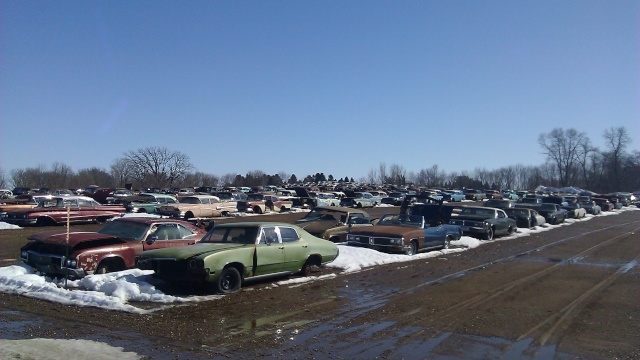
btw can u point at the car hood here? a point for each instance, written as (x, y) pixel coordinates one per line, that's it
(59, 237)
(383, 230)
(315, 226)
(185, 252)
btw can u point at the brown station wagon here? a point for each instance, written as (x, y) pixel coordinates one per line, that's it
(112, 248)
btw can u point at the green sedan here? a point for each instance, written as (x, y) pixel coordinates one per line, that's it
(234, 252)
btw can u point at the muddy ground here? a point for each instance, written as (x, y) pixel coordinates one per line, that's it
(572, 292)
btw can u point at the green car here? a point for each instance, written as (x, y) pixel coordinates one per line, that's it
(234, 252)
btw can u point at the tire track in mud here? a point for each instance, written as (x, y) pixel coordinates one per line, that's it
(356, 340)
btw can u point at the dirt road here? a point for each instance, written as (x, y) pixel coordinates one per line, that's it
(571, 292)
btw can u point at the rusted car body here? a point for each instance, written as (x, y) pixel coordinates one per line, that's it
(333, 223)
(59, 210)
(261, 203)
(21, 202)
(198, 206)
(404, 233)
(112, 248)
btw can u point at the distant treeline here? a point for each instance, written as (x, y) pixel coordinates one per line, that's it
(571, 161)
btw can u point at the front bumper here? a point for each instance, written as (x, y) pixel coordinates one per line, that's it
(384, 244)
(50, 264)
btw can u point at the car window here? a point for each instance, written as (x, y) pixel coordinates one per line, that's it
(85, 203)
(184, 232)
(166, 232)
(289, 234)
(269, 235)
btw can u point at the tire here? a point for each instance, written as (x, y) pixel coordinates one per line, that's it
(359, 206)
(306, 268)
(102, 269)
(45, 221)
(511, 230)
(447, 242)
(489, 234)
(257, 210)
(108, 266)
(283, 209)
(412, 249)
(229, 281)
(188, 216)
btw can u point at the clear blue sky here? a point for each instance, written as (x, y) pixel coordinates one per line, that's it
(312, 86)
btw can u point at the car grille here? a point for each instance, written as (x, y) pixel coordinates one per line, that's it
(35, 259)
(49, 249)
(170, 268)
(373, 240)
(470, 223)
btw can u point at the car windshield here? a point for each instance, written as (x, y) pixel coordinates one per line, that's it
(517, 212)
(125, 229)
(323, 214)
(232, 234)
(255, 197)
(401, 219)
(487, 213)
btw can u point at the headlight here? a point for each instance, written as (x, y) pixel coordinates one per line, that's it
(70, 263)
(196, 264)
(24, 254)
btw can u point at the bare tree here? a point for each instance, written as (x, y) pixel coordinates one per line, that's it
(3, 181)
(284, 175)
(29, 177)
(95, 176)
(372, 176)
(563, 150)
(227, 179)
(382, 173)
(158, 166)
(397, 174)
(617, 140)
(122, 173)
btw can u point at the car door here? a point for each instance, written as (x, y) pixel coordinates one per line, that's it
(269, 252)
(296, 249)
(168, 235)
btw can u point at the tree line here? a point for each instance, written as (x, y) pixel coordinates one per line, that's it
(572, 160)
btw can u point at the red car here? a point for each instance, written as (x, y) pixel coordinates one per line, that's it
(112, 248)
(54, 211)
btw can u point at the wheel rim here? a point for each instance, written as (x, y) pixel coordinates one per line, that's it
(490, 234)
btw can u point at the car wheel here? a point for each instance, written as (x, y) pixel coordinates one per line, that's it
(257, 210)
(489, 234)
(188, 216)
(45, 221)
(447, 242)
(283, 209)
(108, 266)
(306, 268)
(229, 281)
(412, 249)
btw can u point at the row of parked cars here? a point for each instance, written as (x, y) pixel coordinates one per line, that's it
(228, 254)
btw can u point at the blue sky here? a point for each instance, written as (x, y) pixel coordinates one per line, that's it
(312, 86)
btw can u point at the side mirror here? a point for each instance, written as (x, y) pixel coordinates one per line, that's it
(151, 240)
